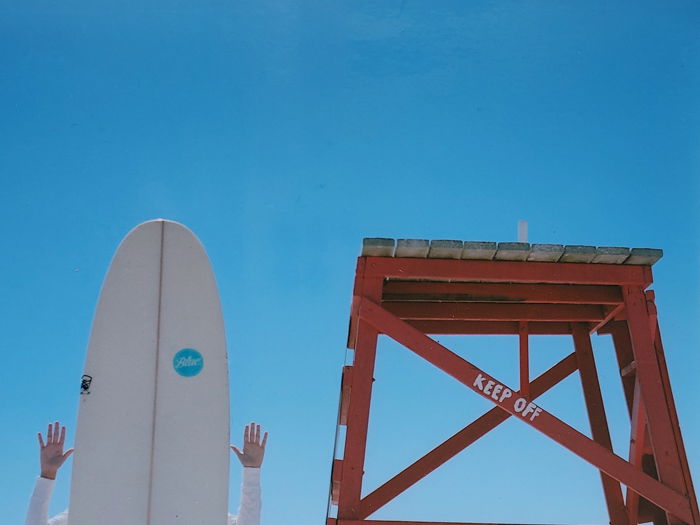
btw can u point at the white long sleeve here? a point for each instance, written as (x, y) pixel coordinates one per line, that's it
(38, 511)
(248, 511)
(251, 502)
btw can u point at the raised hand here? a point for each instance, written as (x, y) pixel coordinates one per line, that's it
(51, 455)
(253, 448)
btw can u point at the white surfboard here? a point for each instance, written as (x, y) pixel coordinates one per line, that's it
(152, 439)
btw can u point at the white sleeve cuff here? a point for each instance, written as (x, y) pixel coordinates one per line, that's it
(251, 474)
(44, 486)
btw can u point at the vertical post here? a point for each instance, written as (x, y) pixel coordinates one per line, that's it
(625, 360)
(524, 359)
(638, 434)
(365, 345)
(598, 420)
(663, 369)
(627, 367)
(654, 395)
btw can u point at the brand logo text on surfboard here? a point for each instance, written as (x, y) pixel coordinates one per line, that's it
(188, 362)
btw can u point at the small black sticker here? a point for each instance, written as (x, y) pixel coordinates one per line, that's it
(85, 382)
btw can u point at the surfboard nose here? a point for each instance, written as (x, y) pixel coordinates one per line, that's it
(162, 223)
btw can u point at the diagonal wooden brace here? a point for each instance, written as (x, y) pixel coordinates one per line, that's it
(598, 420)
(459, 441)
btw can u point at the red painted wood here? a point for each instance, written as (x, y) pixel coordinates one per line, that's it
(356, 297)
(500, 297)
(345, 383)
(495, 312)
(627, 367)
(383, 522)
(625, 357)
(459, 327)
(637, 439)
(498, 292)
(358, 419)
(506, 271)
(663, 369)
(611, 314)
(336, 480)
(598, 420)
(524, 351)
(358, 407)
(459, 441)
(656, 404)
(546, 423)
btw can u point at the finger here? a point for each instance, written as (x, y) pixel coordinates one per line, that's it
(245, 435)
(257, 434)
(55, 432)
(49, 434)
(62, 439)
(67, 454)
(236, 451)
(41, 440)
(264, 441)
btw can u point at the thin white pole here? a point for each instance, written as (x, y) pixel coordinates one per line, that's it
(522, 231)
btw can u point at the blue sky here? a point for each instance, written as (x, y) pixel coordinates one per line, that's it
(282, 133)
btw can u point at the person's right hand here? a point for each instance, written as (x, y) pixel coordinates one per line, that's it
(51, 455)
(253, 449)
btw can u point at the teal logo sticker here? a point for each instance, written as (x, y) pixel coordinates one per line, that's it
(188, 362)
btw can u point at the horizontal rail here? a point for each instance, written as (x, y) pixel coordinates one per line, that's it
(498, 292)
(451, 327)
(495, 312)
(333, 521)
(507, 271)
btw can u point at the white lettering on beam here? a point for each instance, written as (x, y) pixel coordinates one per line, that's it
(500, 393)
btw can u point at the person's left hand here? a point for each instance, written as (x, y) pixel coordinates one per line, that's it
(253, 449)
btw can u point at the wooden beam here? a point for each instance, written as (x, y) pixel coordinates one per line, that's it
(448, 327)
(508, 271)
(498, 292)
(655, 398)
(598, 421)
(383, 522)
(495, 312)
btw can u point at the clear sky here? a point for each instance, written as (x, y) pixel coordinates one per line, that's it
(282, 133)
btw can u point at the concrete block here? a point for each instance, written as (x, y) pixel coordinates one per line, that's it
(644, 256)
(512, 251)
(479, 250)
(578, 254)
(611, 255)
(546, 252)
(412, 248)
(445, 249)
(377, 247)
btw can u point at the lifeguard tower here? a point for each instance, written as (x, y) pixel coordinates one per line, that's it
(409, 289)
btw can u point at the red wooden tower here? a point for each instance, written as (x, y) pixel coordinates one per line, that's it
(410, 288)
